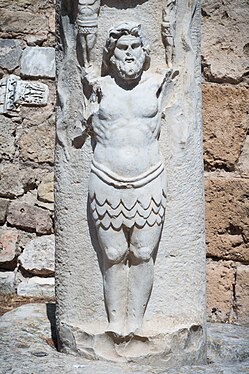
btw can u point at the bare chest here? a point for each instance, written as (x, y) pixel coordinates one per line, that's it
(138, 103)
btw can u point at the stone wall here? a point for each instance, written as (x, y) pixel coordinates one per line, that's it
(27, 142)
(27, 40)
(225, 52)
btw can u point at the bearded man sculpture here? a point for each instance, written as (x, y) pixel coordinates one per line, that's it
(127, 187)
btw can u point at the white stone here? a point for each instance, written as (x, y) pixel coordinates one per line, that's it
(15, 92)
(7, 282)
(27, 334)
(110, 198)
(36, 287)
(38, 62)
(38, 256)
(87, 21)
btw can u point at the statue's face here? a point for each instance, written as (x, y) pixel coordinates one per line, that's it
(128, 57)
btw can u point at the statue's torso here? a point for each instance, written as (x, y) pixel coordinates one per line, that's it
(127, 126)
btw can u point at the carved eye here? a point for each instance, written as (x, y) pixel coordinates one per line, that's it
(123, 47)
(135, 45)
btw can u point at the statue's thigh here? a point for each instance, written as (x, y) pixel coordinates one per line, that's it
(113, 243)
(144, 240)
(91, 39)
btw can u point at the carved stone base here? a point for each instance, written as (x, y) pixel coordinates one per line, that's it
(181, 345)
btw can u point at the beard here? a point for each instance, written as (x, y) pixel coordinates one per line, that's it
(129, 70)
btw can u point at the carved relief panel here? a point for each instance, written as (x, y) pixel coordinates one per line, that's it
(128, 95)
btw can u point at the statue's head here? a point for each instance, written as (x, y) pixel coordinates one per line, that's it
(125, 51)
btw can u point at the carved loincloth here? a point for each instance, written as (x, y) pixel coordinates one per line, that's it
(87, 25)
(117, 201)
(87, 30)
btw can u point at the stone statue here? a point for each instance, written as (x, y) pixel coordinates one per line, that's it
(127, 187)
(168, 30)
(87, 20)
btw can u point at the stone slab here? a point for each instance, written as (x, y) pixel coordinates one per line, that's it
(10, 53)
(15, 180)
(242, 294)
(38, 62)
(37, 143)
(8, 244)
(38, 256)
(16, 22)
(227, 222)
(7, 282)
(3, 210)
(27, 347)
(178, 293)
(220, 283)
(36, 287)
(225, 30)
(29, 217)
(45, 191)
(243, 162)
(7, 138)
(225, 123)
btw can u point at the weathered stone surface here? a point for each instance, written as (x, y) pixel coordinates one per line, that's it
(41, 204)
(225, 32)
(37, 143)
(225, 123)
(38, 256)
(243, 163)
(45, 191)
(10, 181)
(7, 282)
(8, 244)
(24, 239)
(38, 62)
(23, 22)
(27, 347)
(7, 138)
(177, 297)
(10, 53)
(26, 216)
(15, 181)
(3, 210)
(15, 92)
(227, 343)
(220, 282)
(242, 294)
(227, 221)
(36, 287)
(35, 39)
(33, 116)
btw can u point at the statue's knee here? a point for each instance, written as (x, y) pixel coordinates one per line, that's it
(115, 255)
(142, 254)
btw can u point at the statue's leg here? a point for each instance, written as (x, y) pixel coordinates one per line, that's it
(83, 43)
(115, 278)
(143, 243)
(90, 42)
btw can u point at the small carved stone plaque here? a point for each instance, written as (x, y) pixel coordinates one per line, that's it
(15, 92)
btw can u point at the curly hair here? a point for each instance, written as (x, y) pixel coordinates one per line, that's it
(115, 33)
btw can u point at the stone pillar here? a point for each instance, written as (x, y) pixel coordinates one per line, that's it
(173, 330)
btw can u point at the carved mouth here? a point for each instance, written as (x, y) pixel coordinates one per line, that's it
(129, 59)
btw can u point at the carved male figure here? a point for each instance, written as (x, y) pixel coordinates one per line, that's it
(87, 20)
(168, 30)
(127, 187)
